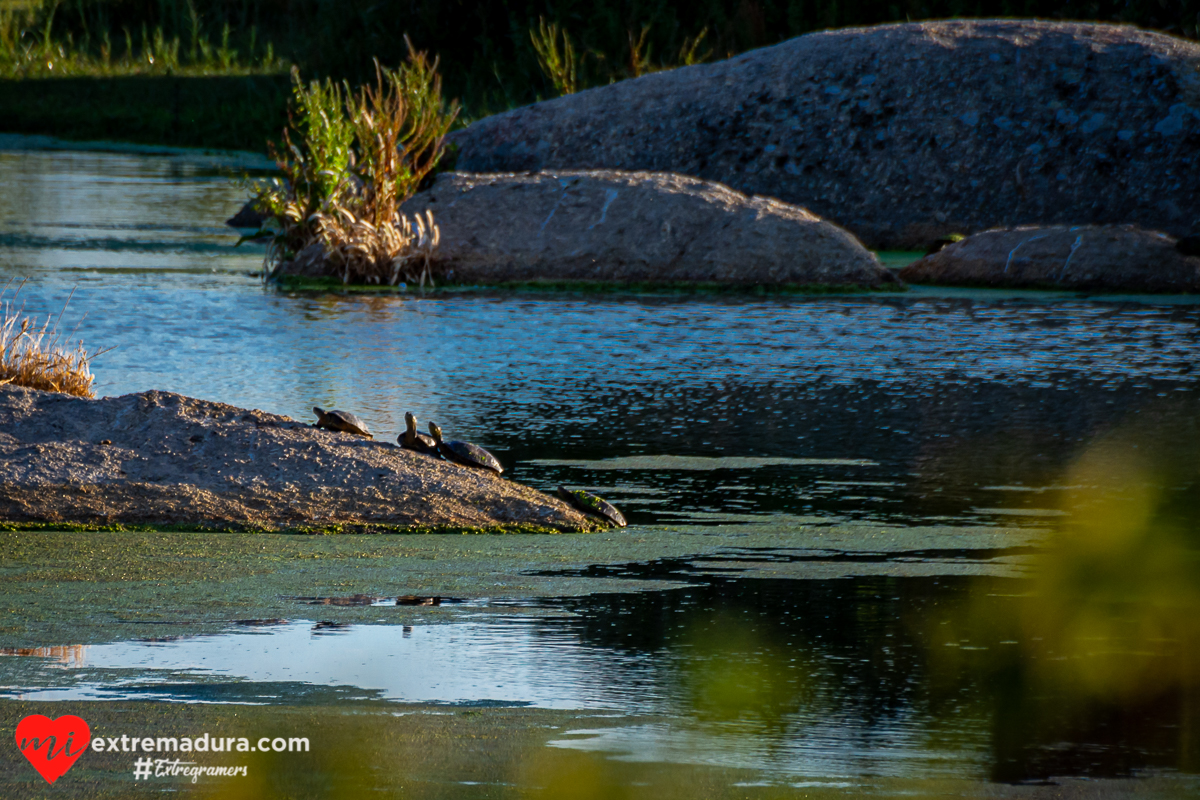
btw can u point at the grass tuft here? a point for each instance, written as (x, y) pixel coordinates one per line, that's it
(559, 64)
(350, 158)
(35, 357)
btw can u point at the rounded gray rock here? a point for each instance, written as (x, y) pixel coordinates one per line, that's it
(904, 133)
(1082, 257)
(620, 227)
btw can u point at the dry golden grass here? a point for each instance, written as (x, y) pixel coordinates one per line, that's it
(34, 357)
(383, 254)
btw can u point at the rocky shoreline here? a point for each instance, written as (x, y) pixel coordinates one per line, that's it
(159, 459)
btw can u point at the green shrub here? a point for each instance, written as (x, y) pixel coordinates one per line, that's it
(349, 159)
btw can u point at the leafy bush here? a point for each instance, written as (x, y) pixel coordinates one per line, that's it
(350, 158)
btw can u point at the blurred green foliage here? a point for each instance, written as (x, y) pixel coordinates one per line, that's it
(733, 671)
(1106, 633)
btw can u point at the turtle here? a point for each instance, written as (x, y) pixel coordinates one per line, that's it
(340, 421)
(411, 440)
(465, 453)
(591, 504)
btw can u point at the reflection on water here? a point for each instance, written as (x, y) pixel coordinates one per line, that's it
(70, 655)
(821, 679)
(950, 408)
(469, 663)
(815, 678)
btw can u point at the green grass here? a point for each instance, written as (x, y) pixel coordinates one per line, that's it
(30, 48)
(349, 158)
(66, 76)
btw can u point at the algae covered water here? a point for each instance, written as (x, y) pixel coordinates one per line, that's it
(935, 535)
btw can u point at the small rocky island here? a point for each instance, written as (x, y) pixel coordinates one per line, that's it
(621, 228)
(1091, 258)
(162, 459)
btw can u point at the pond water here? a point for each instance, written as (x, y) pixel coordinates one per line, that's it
(930, 408)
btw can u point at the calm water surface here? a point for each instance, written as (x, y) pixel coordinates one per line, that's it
(926, 408)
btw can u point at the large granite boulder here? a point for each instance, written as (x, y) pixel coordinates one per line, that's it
(902, 133)
(634, 227)
(1086, 258)
(157, 458)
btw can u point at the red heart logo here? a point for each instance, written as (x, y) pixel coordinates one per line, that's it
(52, 745)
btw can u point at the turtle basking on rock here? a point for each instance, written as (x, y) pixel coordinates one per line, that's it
(411, 440)
(340, 421)
(591, 504)
(465, 453)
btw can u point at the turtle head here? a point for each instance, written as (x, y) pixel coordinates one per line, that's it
(320, 412)
(411, 421)
(435, 432)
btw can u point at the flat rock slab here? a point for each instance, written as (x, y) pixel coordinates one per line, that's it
(175, 460)
(1082, 257)
(614, 226)
(905, 133)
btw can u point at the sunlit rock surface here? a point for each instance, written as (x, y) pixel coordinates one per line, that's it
(1090, 258)
(634, 226)
(162, 458)
(902, 133)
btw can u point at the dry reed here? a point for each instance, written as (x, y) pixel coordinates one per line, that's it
(382, 254)
(34, 357)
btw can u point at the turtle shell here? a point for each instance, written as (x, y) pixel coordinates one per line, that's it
(420, 444)
(470, 455)
(591, 504)
(341, 421)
